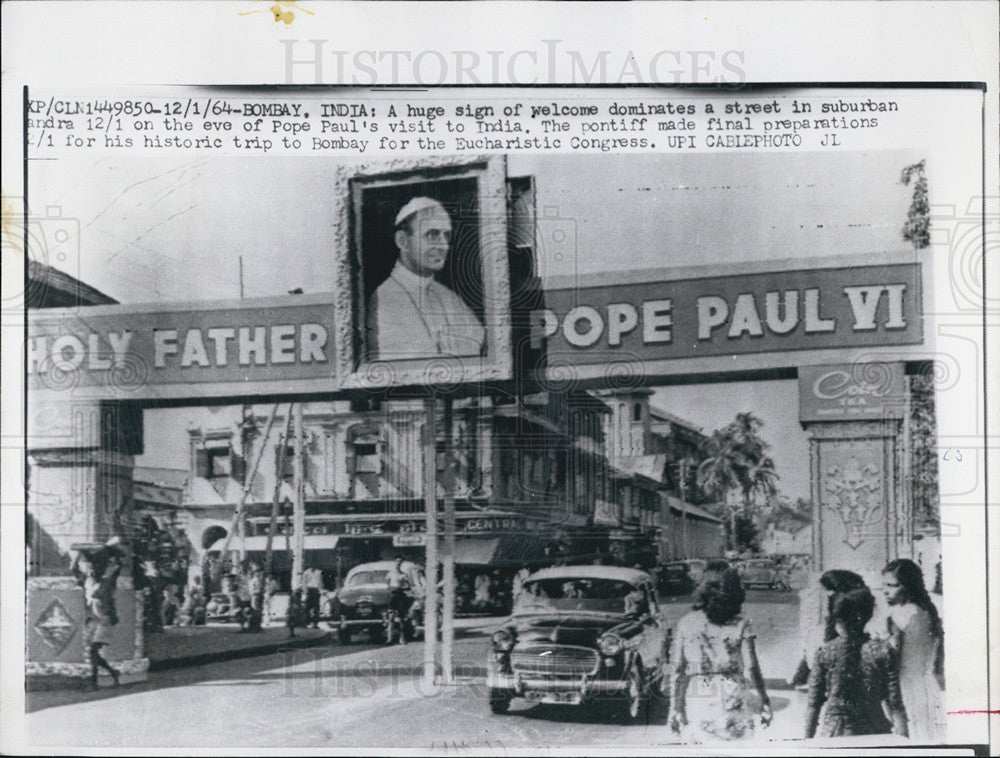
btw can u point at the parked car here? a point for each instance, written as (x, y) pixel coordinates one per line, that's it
(763, 572)
(675, 579)
(218, 608)
(363, 602)
(579, 634)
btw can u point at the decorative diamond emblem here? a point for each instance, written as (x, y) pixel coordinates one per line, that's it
(55, 626)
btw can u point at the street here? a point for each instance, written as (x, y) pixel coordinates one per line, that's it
(367, 696)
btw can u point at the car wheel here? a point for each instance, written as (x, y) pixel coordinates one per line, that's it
(630, 705)
(343, 632)
(500, 701)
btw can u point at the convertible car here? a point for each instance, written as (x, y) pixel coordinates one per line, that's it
(579, 634)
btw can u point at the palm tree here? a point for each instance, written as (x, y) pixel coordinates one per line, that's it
(758, 480)
(737, 460)
(718, 473)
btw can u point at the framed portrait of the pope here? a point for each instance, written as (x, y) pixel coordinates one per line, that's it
(430, 273)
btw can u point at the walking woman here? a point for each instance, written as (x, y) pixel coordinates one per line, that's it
(717, 687)
(854, 681)
(98, 572)
(915, 631)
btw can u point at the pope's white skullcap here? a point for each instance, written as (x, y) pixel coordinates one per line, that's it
(415, 205)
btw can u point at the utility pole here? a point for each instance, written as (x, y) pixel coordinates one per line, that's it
(276, 497)
(248, 482)
(245, 437)
(684, 512)
(431, 570)
(448, 558)
(299, 513)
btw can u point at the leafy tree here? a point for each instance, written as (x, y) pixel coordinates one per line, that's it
(786, 515)
(916, 230)
(924, 450)
(737, 462)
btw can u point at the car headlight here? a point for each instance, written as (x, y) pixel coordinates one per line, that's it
(503, 640)
(610, 644)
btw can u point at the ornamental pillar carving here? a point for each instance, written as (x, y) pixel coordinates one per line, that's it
(859, 518)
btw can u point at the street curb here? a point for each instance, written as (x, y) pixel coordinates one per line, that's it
(269, 648)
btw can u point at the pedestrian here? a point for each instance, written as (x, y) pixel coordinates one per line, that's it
(271, 587)
(481, 598)
(97, 572)
(197, 595)
(312, 580)
(256, 591)
(832, 582)
(168, 608)
(717, 686)
(400, 585)
(240, 609)
(916, 633)
(854, 681)
(836, 582)
(295, 611)
(153, 595)
(517, 584)
(186, 614)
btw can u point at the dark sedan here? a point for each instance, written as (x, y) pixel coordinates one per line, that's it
(579, 634)
(361, 604)
(675, 579)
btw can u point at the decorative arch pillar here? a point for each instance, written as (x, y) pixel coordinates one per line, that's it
(854, 416)
(79, 490)
(859, 515)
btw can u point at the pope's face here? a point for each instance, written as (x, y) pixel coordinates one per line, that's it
(423, 249)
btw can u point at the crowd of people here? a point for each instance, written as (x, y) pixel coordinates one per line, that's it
(862, 680)
(865, 677)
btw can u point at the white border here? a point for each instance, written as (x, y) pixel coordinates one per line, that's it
(107, 43)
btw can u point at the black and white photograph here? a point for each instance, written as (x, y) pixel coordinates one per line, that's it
(496, 419)
(409, 312)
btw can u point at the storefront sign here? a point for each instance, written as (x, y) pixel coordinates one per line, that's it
(857, 306)
(494, 524)
(852, 392)
(364, 529)
(409, 540)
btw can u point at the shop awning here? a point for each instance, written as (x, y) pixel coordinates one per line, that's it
(476, 552)
(258, 544)
(506, 549)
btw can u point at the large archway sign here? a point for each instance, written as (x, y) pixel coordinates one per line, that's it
(660, 322)
(845, 330)
(646, 326)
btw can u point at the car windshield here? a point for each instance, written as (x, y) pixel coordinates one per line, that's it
(567, 594)
(367, 577)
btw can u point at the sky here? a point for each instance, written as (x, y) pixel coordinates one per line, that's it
(169, 229)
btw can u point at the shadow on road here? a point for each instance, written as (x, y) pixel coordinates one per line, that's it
(243, 671)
